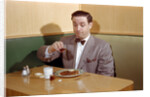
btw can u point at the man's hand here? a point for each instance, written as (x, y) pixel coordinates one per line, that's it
(56, 46)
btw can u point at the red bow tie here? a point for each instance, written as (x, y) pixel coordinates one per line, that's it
(79, 40)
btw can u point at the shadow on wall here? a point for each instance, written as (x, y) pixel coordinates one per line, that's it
(115, 74)
(45, 30)
(31, 58)
(96, 26)
(49, 28)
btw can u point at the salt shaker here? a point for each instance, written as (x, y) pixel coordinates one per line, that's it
(24, 72)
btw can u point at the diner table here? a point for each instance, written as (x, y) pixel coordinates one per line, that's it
(18, 85)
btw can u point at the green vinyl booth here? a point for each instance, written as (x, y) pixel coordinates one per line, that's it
(127, 52)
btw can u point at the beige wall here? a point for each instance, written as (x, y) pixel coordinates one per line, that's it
(116, 19)
(34, 18)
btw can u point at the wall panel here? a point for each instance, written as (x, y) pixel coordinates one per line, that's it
(34, 18)
(116, 19)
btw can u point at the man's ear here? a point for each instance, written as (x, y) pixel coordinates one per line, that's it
(90, 25)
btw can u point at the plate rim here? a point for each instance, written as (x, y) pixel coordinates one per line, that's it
(57, 73)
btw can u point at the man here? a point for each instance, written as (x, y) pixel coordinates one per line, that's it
(82, 50)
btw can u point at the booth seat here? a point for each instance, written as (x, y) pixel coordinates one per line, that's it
(127, 52)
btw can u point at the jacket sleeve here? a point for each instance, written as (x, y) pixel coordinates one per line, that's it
(42, 57)
(106, 61)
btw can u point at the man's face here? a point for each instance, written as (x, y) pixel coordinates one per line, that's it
(81, 26)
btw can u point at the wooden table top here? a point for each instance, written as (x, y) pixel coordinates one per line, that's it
(17, 85)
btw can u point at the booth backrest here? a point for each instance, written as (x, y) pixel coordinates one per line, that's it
(127, 52)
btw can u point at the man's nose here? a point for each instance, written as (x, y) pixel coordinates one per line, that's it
(78, 28)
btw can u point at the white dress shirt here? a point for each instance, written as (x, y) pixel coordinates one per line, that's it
(80, 49)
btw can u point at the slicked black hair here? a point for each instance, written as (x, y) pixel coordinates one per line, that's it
(82, 13)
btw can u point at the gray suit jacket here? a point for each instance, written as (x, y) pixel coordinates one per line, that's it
(96, 57)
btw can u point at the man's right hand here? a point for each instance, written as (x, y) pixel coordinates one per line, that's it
(56, 46)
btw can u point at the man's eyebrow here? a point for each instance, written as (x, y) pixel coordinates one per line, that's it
(82, 23)
(74, 23)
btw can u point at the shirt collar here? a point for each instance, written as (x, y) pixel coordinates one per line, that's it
(87, 38)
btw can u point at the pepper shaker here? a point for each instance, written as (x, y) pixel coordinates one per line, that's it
(28, 70)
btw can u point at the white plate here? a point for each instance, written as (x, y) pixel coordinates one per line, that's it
(58, 73)
(38, 74)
